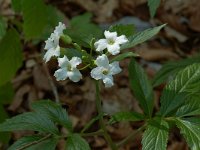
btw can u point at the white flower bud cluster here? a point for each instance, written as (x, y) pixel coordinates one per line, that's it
(68, 68)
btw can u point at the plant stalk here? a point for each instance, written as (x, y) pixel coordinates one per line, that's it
(131, 136)
(101, 122)
(99, 132)
(35, 142)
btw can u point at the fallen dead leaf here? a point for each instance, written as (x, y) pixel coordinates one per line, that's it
(40, 79)
(19, 97)
(178, 146)
(172, 33)
(156, 54)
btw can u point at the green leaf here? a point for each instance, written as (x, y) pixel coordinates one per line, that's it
(177, 91)
(170, 69)
(6, 96)
(53, 111)
(11, 56)
(4, 136)
(30, 121)
(190, 128)
(123, 56)
(71, 52)
(126, 116)
(156, 135)
(36, 142)
(82, 30)
(35, 18)
(6, 93)
(141, 87)
(126, 30)
(141, 37)
(153, 6)
(54, 17)
(3, 26)
(17, 5)
(76, 142)
(190, 108)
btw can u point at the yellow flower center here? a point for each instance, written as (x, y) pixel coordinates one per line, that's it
(69, 67)
(105, 71)
(111, 41)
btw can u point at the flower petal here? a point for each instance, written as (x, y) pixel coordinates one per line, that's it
(51, 52)
(48, 55)
(49, 44)
(121, 39)
(96, 73)
(61, 74)
(102, 61)
(63, 62)
(114, 49)
(100, 45)
(59, 29)
(115, 68)
(74, 75)
(110, 35)
(75, 61)
(55, 39)
(108, 81)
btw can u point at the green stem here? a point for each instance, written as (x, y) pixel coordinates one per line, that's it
(84, 67)
(101, 122)
(131, 136)
(99, 132)
(90, 123)
(35, 142)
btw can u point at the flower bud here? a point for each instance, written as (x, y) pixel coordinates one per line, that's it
(66, 39)
(77, 46)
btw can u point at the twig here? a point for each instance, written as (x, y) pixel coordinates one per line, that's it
(54, 89)
(35, 142)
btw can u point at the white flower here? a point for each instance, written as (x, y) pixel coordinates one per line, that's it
(52, 44)
(112, 42)
(52, 47)
(105, 71)
(60, 28)
(68, 69)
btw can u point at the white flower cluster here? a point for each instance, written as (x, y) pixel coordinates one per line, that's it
(52, 44)
(68, 68)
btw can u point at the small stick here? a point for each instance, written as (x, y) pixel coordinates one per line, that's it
(54, 89)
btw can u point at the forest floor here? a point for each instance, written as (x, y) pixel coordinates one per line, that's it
(180, 39)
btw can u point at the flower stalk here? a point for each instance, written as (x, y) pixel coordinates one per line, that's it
(101, 122)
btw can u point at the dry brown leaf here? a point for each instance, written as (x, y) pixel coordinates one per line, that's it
(90, 5)
(32, 95)
(18, 134)
(119, 133)
(75, 120)
(178, 146)
(88, 89)
(105, 11)
(99, 142)
(61, 144)
(40, 79)
(194, 21)
(156, 54)
(175, 34)
(18, 99)
(20, 78)
(185, 8)
(30, 63)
